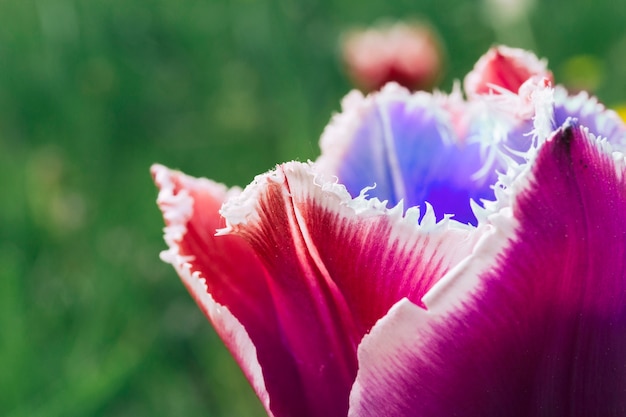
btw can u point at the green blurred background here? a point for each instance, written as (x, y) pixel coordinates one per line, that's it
(93, 92)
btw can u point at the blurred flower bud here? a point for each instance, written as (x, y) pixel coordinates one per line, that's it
(407, 53)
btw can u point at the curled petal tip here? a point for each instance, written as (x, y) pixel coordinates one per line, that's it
(504, 68)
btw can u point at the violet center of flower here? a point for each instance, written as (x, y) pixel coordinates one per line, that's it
(411, 154)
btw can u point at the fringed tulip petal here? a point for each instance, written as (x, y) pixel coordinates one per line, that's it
(229, 283)
(543, 332)
(405, 145)
(191, 210)
(305, 230)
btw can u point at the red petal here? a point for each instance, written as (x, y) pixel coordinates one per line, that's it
(229, 283)
(337, 266)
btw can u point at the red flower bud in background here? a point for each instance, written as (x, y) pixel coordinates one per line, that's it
(407, 53)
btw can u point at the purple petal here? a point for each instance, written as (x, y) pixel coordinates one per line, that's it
(588, 112)
(544, 331)
(406, 145)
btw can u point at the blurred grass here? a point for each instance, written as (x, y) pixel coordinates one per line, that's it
(93, 92)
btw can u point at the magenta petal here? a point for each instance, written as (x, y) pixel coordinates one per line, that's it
(544, 333)
(337, 265)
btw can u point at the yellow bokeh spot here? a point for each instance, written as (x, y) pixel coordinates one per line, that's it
(621, 110)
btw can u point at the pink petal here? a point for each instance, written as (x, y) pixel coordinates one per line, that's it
(544, 331)
(337, 265)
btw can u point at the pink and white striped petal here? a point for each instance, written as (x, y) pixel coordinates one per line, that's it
(543, 332)
(228, 282)
(337, 265)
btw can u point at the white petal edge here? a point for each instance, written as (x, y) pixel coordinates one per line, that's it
(243, 208)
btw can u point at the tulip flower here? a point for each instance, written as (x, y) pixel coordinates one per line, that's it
(444, 256)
